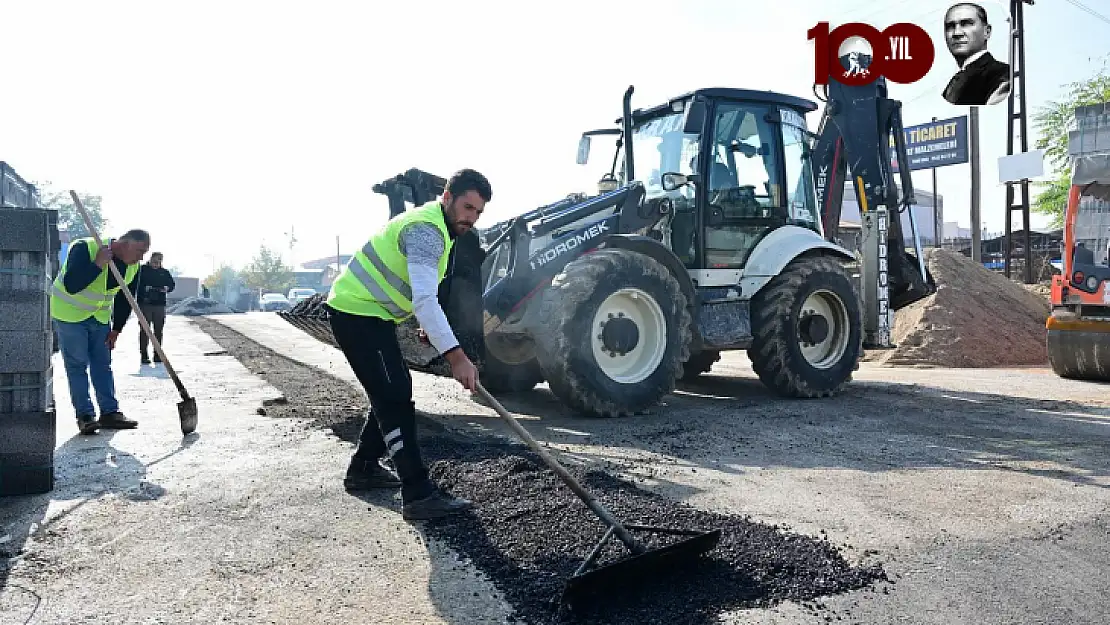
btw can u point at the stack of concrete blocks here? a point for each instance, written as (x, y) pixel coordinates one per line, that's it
(1092, 136)
(1091, 133)
(29, 242)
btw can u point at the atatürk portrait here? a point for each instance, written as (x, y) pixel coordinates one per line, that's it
(981, 79)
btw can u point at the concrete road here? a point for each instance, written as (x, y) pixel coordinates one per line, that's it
(984, 492)
(244, 521)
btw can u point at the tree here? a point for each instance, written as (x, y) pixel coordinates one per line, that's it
(1052, 122)
(69, 220)
(268, 272)
(223, 285)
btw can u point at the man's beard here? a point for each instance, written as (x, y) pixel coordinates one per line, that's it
(459, 224)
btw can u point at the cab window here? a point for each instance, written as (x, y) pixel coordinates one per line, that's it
(743, 187)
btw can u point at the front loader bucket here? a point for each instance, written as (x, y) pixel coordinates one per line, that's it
(906, 284)
(460, 296)
(1079, 349)
(311, 317)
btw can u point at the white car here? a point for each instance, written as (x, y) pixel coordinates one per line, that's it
(299, 293)
(273, 302)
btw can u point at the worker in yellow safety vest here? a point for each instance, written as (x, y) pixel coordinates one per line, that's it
(394, 276)
(84, 299)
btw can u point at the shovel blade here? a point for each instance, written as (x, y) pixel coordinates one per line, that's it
(187, 411)
(630, 573)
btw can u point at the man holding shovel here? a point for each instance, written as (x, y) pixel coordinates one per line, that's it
(84, 299)
(395, 275)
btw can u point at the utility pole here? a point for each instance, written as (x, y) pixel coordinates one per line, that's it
(976, 234)
(292, 237)
(938, 236)
(1016, 123)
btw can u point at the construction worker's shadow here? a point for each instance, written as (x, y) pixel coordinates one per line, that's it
(87, 469)
(448, 577)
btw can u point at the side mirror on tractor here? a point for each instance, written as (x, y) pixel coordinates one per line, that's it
(673, 181)
(583, 150)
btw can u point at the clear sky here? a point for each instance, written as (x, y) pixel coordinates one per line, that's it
(221, 125)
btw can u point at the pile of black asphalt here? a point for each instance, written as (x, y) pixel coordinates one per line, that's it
(528, 532)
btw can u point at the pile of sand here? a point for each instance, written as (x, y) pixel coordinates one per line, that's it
(196, 306)
(977, 318)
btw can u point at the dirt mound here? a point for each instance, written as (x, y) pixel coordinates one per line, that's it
(977, 318)
(1040, 289)
(196, 306)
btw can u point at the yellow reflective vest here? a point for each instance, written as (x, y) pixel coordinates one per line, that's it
(96, 299)
(375, 283)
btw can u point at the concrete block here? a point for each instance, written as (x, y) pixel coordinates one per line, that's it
(1093, 114)
(25, 230)
(25, 350)
(27, 442)
(25, 271)
(15, 191)
(26, 477)
(1089, 141)
(26, 392)
(25, 311)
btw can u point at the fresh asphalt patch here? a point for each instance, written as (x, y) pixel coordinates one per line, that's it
(528, 532)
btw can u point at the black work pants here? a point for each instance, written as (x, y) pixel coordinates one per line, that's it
(371, 347)
(155, 316)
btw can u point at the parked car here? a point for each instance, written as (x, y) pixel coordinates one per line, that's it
(273, 302)
(296, 294)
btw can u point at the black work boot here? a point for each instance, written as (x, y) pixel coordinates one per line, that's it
(438, 504)
(143, 358)
(87, 424)
(116, 421)
(369, 474)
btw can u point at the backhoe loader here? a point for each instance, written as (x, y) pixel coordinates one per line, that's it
(711, 231)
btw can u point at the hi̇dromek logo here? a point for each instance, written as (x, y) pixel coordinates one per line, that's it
(902, 53)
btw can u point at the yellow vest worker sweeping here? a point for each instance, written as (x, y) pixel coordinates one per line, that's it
(394, 276)
(84, 299)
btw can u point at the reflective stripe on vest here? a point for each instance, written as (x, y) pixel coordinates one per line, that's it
(87, 294)
(94, 300)
(393, 279)
(357, 290)
(380, 296)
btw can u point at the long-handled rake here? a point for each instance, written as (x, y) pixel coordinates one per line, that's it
(587, 583)
(187, 407)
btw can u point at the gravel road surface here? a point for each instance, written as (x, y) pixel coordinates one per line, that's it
(982, 493)
(243, 521)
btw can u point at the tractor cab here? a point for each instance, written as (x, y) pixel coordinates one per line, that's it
(733, 162)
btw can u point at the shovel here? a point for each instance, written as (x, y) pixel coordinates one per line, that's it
(187, 407)
(589, 583)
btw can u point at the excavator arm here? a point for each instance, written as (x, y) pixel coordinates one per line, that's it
(852, 144)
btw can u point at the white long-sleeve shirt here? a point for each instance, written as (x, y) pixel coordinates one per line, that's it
(423, 244)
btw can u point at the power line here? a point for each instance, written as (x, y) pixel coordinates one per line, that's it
(1089, 10)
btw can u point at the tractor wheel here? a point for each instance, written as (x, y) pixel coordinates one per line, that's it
(699, 363)
(613, 333)
(807, 329)
(499, 376)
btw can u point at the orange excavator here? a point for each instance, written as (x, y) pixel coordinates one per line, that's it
(1079, 324)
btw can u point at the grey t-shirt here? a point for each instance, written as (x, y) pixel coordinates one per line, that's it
(422, 244)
